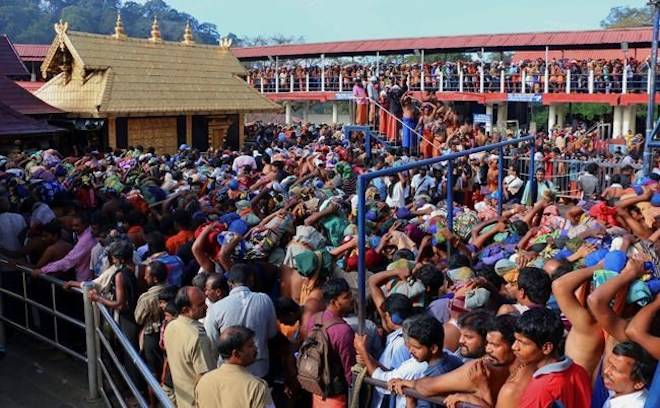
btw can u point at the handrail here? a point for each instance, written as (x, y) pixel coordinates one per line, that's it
(412, 393)
(28, 270)
(135, 357)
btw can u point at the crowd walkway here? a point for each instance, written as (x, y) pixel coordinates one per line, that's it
(33, 375)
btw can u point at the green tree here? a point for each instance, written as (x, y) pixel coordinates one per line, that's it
(621, 17)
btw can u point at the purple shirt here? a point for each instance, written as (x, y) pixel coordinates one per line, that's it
(341, 339)
(78, 258)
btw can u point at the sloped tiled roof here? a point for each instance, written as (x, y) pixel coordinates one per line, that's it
(23, 101)
(30, 86)
(32, 52)
(10, 63)
(592, 39)
(637, 53)
(136, 76)
(13, 123)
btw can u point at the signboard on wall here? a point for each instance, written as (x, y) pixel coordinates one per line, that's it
(482, 118)
(523, 97)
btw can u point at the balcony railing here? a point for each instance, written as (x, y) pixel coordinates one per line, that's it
(460, 80)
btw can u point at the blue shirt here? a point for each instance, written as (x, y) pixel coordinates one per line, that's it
(449, 362)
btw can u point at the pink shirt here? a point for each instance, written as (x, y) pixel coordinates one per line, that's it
(361, 94)
(77, 258)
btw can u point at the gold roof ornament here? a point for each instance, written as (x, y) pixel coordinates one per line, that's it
(225, 43)
(188, 35)
(61, 27)
(155, 32)
(119, 29)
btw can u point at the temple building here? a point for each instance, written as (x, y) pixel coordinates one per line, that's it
(150, 92)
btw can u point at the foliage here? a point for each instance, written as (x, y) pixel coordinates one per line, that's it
(31, 21)
(262, 40)
(621, 17)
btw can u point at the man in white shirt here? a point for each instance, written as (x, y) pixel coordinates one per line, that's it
(422, 183)
(245, 308)
(512, 184)
(627, 372)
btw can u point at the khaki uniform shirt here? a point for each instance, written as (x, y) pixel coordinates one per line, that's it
(147, 311)
(189, 355)
(232, 386)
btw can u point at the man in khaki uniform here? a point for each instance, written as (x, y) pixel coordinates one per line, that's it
(232, 385)
(189, 353)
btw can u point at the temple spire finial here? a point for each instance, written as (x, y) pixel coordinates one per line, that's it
(225, 43)
(119, 34)
(187, 34)
(155, 32)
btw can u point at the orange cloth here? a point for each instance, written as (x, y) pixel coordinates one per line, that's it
(176, 241)
(426, 147)
(338, 401)
(382, 122)
(361, 114)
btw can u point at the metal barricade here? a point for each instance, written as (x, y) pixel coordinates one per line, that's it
(104, 319)
(103, 363)
(33, 310)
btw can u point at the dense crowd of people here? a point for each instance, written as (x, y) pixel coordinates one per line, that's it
(235, 273)
(608, 75)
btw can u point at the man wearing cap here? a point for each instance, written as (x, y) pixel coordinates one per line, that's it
(245, 308)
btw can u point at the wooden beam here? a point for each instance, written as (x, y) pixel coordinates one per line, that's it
(241, 130)
(112, 132)
(189, 130)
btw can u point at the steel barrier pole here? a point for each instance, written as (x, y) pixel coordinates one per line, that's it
(650, 109)
(500, 181)
(367, 143)
(362, 273)
(90, 342)
(450, 201)
(532, 177)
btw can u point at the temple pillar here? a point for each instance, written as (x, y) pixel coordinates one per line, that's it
(112, 132)
(489, 113)
(287, 112)
(502, 116)
(189, 131)
(552, 117)
(334, 112)
(617, 122)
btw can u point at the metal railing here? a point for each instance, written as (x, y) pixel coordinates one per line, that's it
(456, 79)
(33, 309)
(100, 355)
(103, 319)
(564, 173)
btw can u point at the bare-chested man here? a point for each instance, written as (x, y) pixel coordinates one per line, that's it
(495, 380)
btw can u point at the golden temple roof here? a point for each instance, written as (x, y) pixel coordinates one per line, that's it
(99, 75)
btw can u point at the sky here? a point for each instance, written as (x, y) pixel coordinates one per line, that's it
(334, 20)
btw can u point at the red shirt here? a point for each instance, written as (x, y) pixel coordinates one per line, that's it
(176, 241)
(563, 382)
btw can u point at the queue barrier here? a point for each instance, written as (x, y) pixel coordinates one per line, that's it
(104, 340)
(364, 180)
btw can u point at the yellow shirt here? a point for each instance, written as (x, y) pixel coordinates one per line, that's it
(189, 355)
(232, 386)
